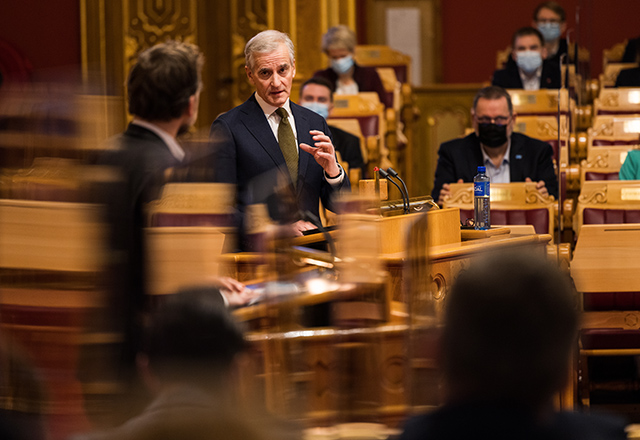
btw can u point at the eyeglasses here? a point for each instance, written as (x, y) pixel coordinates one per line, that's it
(498, 120)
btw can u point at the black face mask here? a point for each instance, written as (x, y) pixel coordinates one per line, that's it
(492, 135)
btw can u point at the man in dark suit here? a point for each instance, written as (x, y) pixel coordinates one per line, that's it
(530, 70)
(316, 94)
(506, 348)
(268, 140)
(508, 156)
(163, 90)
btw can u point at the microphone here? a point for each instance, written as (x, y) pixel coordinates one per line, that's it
(405, 194)
(385, 175)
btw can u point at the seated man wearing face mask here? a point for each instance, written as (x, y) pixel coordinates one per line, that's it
(508, 156)
(531, 70)
(316, 94)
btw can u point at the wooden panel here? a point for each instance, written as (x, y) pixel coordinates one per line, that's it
(444, 112)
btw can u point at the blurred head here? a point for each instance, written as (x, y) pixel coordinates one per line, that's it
(550, 19)
(270, 66)
(492, 116)
(339, 44)
(165, 82)
(192, 337)
(317, 94)
(510, 328)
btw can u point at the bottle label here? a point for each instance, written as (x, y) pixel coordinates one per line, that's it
(481, 189)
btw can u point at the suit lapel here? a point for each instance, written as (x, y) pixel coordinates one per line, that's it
(259, 127)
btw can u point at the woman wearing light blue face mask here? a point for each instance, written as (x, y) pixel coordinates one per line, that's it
(346, 76)
(549, 18)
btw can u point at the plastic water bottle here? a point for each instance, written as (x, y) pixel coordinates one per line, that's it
(481, 211)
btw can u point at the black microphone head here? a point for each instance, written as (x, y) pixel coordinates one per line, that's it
(392, 172)
(383, 173)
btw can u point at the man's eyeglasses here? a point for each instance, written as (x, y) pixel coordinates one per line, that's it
(498, 120)
(548, 20)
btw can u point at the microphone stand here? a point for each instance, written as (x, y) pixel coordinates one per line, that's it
(405, 194)
(385, 175)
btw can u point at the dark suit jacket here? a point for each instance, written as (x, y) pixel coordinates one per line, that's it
(528, 157)
(348, 146)
(141, 159)
(367, 79)
(628, 78)
(247, 154)
(498, 422)
(509, 77)
(631, 51)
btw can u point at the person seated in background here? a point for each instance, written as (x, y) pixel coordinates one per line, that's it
(506, 349)
(189, 359)
(628, 78)
(347, 77)
(550, 19)
(631, 51)
(630, 169)
(531, 70)
(508, 156)
(317, 94)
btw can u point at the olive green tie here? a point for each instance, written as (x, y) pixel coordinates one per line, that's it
(287, 142)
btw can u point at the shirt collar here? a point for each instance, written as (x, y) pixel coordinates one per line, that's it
(505, 158)
(533, 80)
(268, 109)
(171, 143)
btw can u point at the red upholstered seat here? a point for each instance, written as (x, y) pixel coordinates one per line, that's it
(539, 218)
(609, 338)
(593, 175)
(593, 216)
(599, 301)
(605, 142)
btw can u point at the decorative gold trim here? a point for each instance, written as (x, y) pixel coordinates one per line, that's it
(598, 196)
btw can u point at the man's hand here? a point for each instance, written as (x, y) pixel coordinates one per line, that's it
(540, 185)
(445, 191)
(324, 153)
(300, 226)
(234, 291)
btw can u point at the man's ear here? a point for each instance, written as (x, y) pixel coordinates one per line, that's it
(544, 52)
(513, 55)
(249, 74)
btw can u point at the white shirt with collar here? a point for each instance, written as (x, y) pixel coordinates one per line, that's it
(533, 82)
(274, 122)
(173, 145)
(501, 174)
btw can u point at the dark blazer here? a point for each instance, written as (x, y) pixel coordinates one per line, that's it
(367, 79)
(528, 157)
(348, 146)
(504, 422)
(141, 158)
(629, 78)
(246, 153)
(631, 51)
(509, 77)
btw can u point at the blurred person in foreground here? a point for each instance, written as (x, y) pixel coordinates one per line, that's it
(163, 91)
(508, 156)
(269, 139)
(189, 360)
(316, 94)
(346, 76)
(506, 349)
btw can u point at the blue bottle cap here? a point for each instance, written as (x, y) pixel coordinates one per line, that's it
(482, 169)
